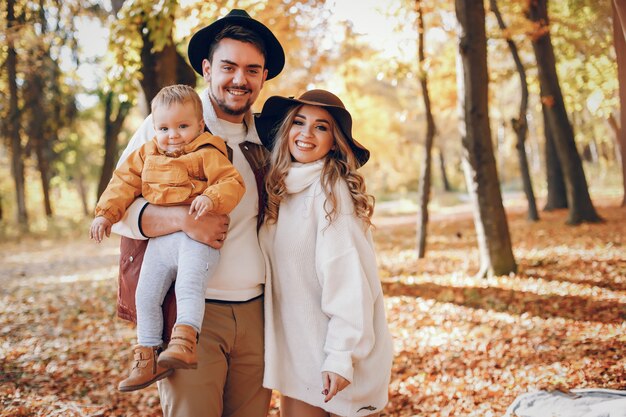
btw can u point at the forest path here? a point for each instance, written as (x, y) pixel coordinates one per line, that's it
(464, 346)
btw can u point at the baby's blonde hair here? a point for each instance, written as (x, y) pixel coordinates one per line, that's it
(178, 93)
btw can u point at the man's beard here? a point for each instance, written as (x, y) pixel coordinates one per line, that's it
(229, 110)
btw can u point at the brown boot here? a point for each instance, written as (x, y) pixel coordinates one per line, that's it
(181, 352)
(145, 369)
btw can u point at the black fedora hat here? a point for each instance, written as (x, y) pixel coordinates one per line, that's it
(199, 44)
(276, 107)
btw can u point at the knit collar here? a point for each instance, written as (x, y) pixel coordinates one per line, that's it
(301, 176)
(215, 125)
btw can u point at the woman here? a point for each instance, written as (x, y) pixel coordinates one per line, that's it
(328, 349)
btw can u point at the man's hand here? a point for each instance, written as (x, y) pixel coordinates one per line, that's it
(333, 383)
(201, 205)
(210, 229)
(100, 227)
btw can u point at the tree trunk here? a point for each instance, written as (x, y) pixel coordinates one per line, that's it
(44, 175)
(492, 231)
(617, 148)
(158, 68)
(557, 194)
(112, 127)
(17, 163)
(581, 208)
(444, 174)
(162, 68)
(43, 148)
(425, 177)
(520, 125)
(619, 41)
(521, 130)
(79, 180)
(37, 127)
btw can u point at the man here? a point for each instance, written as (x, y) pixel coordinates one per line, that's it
(235, 55)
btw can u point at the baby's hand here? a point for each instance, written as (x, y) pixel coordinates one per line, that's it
(100, 227)
(201, 205)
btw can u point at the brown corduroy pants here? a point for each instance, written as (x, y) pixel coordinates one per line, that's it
(228, 381)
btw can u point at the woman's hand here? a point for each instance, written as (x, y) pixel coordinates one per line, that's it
(333, 383)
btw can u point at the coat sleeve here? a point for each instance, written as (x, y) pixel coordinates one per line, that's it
(225, 184)
(123, 188)
(129, 224)
(347, 271)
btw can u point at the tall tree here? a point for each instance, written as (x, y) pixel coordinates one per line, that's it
(14, 125)
(47, 106)
(520, 125)
(425, 177)
(619, 40)
(48, 91)
(39, 119)
(492, 230)
(581, 208)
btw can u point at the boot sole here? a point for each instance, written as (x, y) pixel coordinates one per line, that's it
(174, 363)
(146, 384)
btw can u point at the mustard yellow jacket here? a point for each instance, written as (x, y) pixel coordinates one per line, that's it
(203, 168)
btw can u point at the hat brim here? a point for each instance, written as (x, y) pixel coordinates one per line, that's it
(276, 108)
(198, 49)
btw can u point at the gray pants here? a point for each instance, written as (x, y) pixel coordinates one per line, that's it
(170, 258)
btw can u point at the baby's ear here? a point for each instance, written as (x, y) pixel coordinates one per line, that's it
(201, 125)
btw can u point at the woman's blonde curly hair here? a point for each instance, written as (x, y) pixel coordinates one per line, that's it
(339, 163)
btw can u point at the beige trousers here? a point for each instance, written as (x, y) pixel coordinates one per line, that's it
(228, 380)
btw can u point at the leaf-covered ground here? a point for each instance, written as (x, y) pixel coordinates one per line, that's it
(465, 346)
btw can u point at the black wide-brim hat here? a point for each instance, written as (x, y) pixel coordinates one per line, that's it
(199, 44)
(276, 108)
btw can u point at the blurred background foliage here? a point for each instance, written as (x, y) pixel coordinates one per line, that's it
(80, 79)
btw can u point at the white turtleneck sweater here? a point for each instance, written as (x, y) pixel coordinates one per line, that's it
(324, 306)
(240, 273)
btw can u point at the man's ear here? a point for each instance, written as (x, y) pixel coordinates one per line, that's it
(264, 77)
(206, 70)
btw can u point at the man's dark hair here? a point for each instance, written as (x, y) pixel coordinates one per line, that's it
(238, 33)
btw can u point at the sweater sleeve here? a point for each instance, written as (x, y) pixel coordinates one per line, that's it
(225, 184)
(347, 271)
(130, 223)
